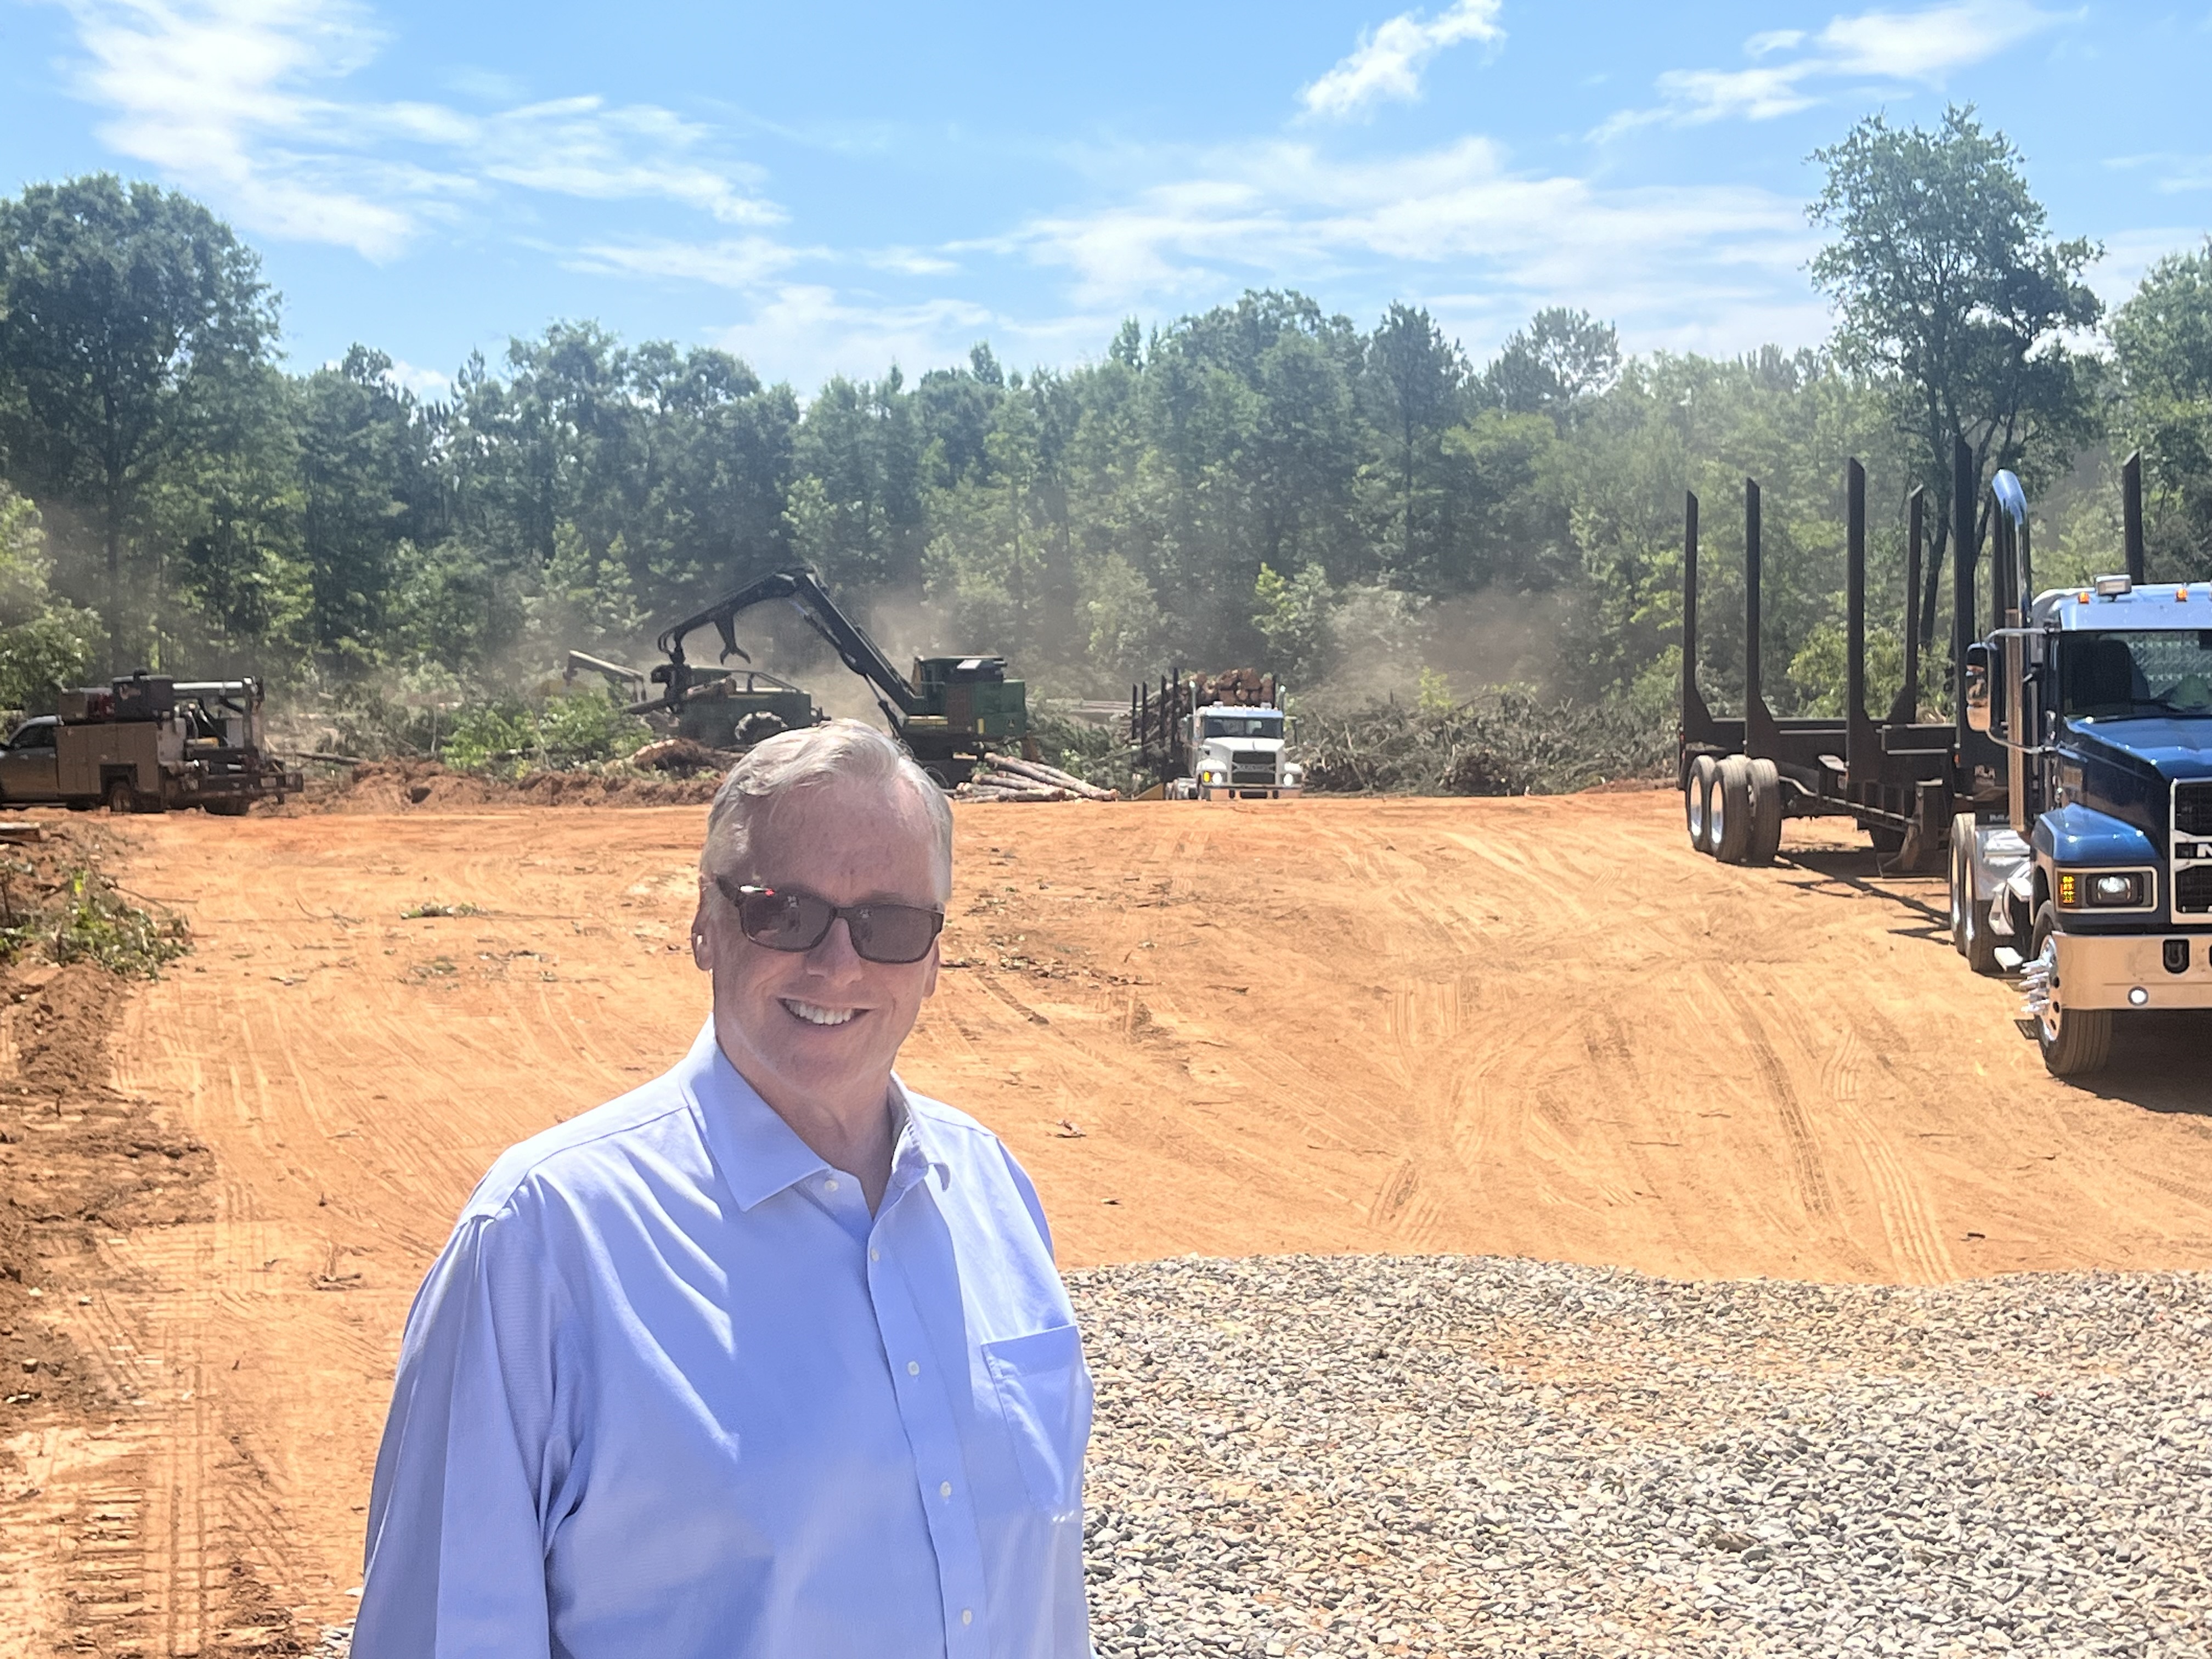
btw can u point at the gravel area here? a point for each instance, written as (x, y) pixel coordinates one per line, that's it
(1365, 1454)
(1461, 1456)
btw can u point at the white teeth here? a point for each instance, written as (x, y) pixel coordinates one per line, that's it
(814, 1015)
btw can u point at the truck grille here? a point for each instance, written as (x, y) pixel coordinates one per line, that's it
(2192, 809)
(2192, 891)
(1252, 774)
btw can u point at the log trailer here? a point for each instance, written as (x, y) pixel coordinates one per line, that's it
(2090, 871)
(1895, 778)
(948, 714)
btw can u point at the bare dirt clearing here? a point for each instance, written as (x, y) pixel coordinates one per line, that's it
(1536, 1027)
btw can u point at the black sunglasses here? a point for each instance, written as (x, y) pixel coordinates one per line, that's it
(791, 919)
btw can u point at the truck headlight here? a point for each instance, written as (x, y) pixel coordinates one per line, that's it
(2113, 889)
(1294, 773)
(1212, 774)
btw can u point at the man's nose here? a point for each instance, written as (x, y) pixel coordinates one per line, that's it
(835, 954)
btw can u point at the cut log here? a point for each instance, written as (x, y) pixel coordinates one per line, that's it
(1051, 776)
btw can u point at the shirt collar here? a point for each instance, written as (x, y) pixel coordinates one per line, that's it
(760, 1154)
(913, 1150)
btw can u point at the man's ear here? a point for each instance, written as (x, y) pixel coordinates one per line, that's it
(702, 950)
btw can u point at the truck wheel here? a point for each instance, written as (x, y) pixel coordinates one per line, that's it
(1970, 916)
(121, 797)
(1766, 812)
(1730, 822)
(2075, 1043)
(1698, 802)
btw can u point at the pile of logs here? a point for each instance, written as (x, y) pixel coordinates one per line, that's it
(1005, 777)
(1235, 688)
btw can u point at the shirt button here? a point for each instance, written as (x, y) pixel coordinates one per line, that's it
(874, 1255)
(913, 1368)
(967, 1615)
(829, 1186)
(944, 1489)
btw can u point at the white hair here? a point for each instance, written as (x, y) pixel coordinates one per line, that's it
(840, 750)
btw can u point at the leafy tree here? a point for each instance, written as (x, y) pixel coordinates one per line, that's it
(1562, 359)
(1949, 291)
(124, 312)
(45, 642)
(1415, 382)
(1292, 616)
(367, 490)
(2162, 339)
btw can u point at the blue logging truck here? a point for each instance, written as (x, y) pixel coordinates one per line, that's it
(2090, 872)
(2071, 792)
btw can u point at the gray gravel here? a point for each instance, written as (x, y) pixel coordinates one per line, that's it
(1366, 1454)
(1455, 1455)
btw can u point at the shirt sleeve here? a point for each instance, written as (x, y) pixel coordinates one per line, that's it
(1027, 1188)
(471, 1461)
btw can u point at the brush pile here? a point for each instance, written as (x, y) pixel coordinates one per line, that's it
(1004, 777)
(1511, 744)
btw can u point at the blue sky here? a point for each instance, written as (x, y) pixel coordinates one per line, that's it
(834, 186)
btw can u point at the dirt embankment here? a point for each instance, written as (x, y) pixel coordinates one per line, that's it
(409, 786)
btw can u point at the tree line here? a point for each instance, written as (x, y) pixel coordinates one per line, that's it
(1265, 482)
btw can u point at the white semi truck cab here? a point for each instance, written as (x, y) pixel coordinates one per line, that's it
(1238, 754)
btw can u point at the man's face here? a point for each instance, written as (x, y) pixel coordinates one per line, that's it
(822, 1027)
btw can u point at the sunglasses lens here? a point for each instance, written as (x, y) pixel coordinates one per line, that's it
(893, 933)
(785, 921)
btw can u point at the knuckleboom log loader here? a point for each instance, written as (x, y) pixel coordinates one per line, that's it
(949, 713)
(147, 742)
(2090, 870)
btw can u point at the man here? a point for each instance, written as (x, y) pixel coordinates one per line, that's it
(769, 1358)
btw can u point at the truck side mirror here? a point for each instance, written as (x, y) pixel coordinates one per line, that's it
(1978, 687)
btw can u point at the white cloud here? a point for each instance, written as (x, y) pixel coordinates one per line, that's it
(741, 263)
(1387, 62)
(808, 332)
(1279, 211)
(1926, 45)
(243, 101)
(1923, 46)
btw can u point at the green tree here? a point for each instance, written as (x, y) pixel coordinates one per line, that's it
(2162, 340)
(124, 312)
(1415, 382)
(1950, 292)
(45, 642)
(1554, 365)
(1291, 614)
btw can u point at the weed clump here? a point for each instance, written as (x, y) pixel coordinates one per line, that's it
(79, 917)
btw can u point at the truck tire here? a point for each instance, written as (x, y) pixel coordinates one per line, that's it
(121, 797)
(2074, 1042)
(1730, 823)
(1970, 916)
(1766, 812)
(1698, 802)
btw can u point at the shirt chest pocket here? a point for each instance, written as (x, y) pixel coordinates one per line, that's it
(1044, 1396)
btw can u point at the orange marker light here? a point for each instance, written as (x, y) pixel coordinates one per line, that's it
(2067, 889)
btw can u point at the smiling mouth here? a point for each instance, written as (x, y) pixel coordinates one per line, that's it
(814, 1014)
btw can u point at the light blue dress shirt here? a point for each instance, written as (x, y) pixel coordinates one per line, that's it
(671, 1390)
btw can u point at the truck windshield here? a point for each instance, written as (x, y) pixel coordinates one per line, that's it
(2119, 676)
(1268, 725)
